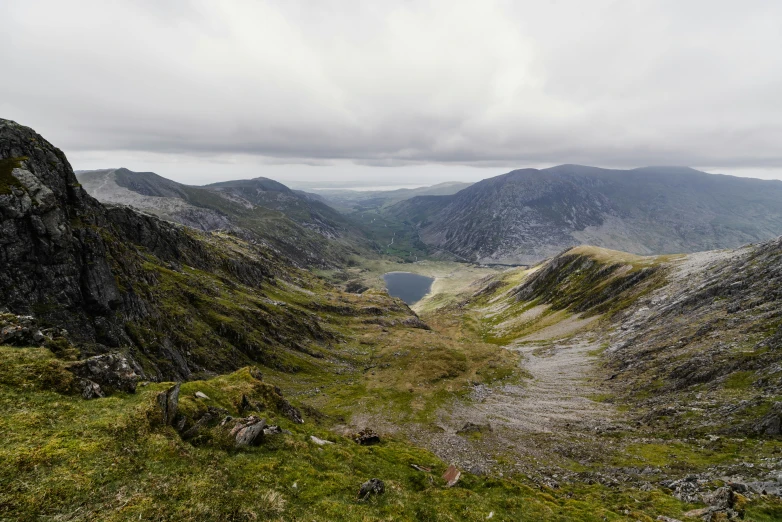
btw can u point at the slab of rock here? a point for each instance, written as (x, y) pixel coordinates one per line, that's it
(451, 476)
(168, 401)
(319, 442)
(111, 371)
(771, 424)
(248, 431)
(372, 486)
(90, 390)
(721, 498)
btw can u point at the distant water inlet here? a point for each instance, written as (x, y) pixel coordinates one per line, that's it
(410, 288)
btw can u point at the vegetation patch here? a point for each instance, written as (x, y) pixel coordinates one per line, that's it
(7, 178)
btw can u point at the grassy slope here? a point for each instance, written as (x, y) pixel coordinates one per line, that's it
(66, 458)
(489, 311)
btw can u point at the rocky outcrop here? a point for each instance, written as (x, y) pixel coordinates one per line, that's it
(109, 372)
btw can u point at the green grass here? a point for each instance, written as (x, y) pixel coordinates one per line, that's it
(66, 458)
(740, 380)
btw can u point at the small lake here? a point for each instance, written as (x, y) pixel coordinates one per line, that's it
(410, 288)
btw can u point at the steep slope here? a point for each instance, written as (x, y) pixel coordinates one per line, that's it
(178, 302)
(691, 341)
(527, 215)
(307, 231)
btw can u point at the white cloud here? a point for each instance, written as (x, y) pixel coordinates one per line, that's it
(610, 83)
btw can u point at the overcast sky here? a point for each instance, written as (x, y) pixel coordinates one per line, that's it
(406, 91)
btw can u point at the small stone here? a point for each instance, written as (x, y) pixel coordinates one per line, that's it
(90, 390)
(472, 427)
(366, 437)
(319, 442)
(201, 395)
(372, 486)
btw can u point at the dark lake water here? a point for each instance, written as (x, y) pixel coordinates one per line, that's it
(410, 288)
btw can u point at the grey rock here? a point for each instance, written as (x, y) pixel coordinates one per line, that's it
(771, 424)
(168, 401)
(721, 498)
(247, 431)
(112, 371)
(471, 427)
(372, 486)
(90, 389)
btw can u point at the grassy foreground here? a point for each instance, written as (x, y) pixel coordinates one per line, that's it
(64, 458)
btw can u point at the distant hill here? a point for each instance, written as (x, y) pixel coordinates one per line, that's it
(527, 215)
(306, 230)
(348, 200)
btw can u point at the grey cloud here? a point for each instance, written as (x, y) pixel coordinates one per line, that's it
(402, 83)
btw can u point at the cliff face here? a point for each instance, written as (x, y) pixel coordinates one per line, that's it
(53, 260)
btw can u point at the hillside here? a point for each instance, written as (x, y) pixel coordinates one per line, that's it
(349, 201)
(308, 232)
(152, 371)
(527, 215)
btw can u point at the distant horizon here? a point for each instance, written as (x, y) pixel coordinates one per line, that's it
(403, 176)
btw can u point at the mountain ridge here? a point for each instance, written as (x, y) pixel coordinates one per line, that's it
(308, 232)
(527, 215)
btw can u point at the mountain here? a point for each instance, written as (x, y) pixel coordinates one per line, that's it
(177, 302)
(527, 215)
(348, 201)
(307, 231)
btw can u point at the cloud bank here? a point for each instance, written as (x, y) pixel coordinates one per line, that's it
(487, 83)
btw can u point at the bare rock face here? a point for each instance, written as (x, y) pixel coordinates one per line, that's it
(51, 262)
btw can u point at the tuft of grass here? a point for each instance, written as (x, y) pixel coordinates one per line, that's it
(740, 380)
(7, 179)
